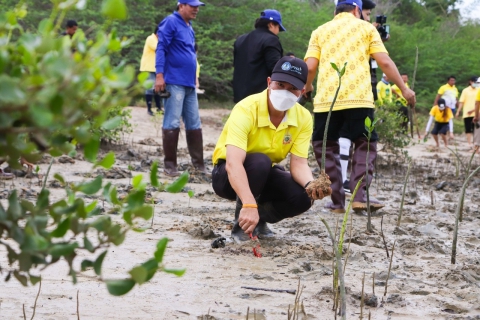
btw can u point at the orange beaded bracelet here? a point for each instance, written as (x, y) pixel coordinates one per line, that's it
(250, 205)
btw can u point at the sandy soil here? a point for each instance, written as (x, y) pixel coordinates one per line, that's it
(422, 285)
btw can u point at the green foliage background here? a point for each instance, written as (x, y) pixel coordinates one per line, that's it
(445, 45)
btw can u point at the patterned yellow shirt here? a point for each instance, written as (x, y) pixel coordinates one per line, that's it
(344, 39)
(249, 128)
(468, 97)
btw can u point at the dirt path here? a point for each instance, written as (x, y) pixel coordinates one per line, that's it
(422, 285)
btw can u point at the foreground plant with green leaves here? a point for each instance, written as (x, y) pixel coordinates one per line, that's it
(51, 98)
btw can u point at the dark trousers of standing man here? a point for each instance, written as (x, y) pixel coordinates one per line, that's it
(353, 121)
(278, 195)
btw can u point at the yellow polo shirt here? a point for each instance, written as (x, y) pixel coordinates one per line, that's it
(344, 39)
(249, 128)
(468, 97)
(450, 94)
(439, 116)
(400, 97)
(384, 92)
(147, 63)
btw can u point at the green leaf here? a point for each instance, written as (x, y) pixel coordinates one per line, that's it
(113, 196)
(139, 274)
(14, 210)
(161, 247)
(97, 265)
(136, 199)
(368, 123)
(119, 287)
(63, 249)
(145, 212)
(137, 180)
(112, 123)
(87, 244)
(10, 90)
(334, 66)
(106, 162)
(91, 187)
(86, 264)
(191, 193)
(34, 279)
(62, 228)
(151, 266)
(177, 272)
(91, 149)
(177, 185)
(153, 174)
(142, 77)
(21, 278)
(42, 200)
(60, 178)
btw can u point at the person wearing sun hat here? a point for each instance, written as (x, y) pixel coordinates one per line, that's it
(176, 66)
(260, 132)
(347, 39)
(255, 54)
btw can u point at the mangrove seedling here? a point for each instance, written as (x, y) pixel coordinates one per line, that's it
(323, 181)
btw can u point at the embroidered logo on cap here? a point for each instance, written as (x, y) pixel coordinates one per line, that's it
(286, 66)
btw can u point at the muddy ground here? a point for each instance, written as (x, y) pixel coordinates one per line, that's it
(422, 284)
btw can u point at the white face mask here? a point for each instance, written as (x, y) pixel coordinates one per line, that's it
(441, 107)
(476, 84)
(282, 100)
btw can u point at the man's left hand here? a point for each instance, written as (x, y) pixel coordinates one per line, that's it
(248, 219)
(409, 95)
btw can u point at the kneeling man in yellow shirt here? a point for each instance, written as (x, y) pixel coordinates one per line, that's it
(260, 132)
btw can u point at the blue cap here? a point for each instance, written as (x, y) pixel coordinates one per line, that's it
(193, 3)
(273, 15)
(356, 3)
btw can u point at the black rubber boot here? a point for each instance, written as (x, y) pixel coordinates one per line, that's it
(238, 234)
(170, 143)
(263, 231)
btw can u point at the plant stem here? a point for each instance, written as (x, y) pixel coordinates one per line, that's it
(389, 269)
(458, 214)
(324, 142)
(361, 297)
(369, 212)
(46, 175)
(343, 309)
(36, 299)
(403, 194)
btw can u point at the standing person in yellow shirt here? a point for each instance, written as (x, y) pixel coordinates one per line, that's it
(476, 119)
(147, 64)
(467, 104)
(384, 90)
(401, 102)
(347, 39)
(443, 117)
(449, 93)
(260, 132)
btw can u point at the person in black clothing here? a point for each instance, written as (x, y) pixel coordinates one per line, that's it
(255, 54)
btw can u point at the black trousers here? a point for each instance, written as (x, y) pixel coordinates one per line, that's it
(267, 184)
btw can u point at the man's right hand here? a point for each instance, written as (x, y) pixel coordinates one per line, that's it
(160, 84)
(248, 219)
(409, 95)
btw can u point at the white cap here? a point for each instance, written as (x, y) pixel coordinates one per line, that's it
(384, 75)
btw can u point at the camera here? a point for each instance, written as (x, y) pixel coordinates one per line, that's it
(383, 29)
(164, 94)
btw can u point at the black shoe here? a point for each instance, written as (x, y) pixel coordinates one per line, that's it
(263, 231)
(346, 186)
(238, 234)
(150, 113)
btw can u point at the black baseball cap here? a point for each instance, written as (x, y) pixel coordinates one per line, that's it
(291, 70)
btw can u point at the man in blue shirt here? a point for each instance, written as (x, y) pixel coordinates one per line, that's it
(176, 73)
